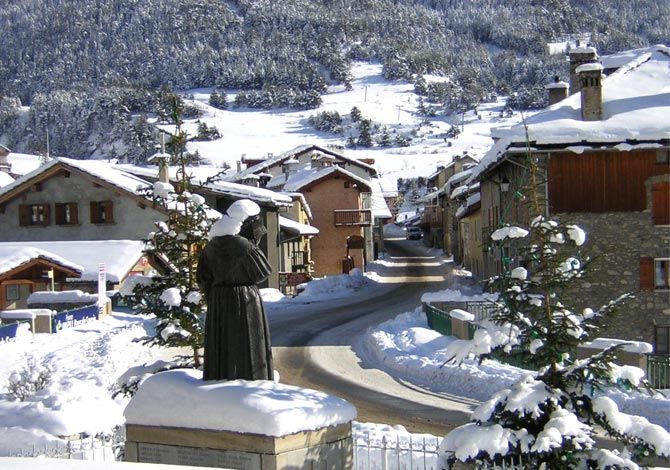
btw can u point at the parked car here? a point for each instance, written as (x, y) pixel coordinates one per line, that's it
(413, 233)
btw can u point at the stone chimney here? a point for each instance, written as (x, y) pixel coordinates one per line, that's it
(590, 78)
(239, 166)
(251, 180)
(558, 91)
(290, 166)
(580, 56)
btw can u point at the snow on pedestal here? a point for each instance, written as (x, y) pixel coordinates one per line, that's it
(176, 418)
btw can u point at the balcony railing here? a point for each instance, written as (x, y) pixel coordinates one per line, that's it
(353, 218)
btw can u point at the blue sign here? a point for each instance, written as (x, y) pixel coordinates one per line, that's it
(8, 332)
(72, 318)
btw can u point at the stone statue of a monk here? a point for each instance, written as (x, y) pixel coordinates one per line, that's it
(237, 337)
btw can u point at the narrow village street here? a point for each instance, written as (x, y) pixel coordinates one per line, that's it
(315, 346)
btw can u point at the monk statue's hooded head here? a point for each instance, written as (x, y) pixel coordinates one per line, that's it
(242, 218)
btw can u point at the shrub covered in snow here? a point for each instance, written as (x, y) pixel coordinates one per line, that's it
(30, 380)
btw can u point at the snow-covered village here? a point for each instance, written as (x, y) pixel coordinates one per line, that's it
(334, 235)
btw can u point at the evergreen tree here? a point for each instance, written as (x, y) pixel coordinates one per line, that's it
(173, 297)
(218, 100)
(364, 136)
(385, 138)
(549, 418)
(355, 114)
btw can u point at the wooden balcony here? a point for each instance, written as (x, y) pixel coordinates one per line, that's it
(345, 218)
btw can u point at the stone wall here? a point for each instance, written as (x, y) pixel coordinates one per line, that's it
(616, 241)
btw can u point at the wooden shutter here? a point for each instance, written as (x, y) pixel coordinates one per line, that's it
(660, 203)
(24, 215)
(74, 213)
(95, 219)
(108, 207)
(60, 214)
(647, 274)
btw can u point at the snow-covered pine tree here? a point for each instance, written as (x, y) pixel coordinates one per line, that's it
(218, 100)
(173, 297)
(549, 418)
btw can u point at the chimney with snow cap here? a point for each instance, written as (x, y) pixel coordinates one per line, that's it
(590, 77)
(580, 56)
(290, 166)
(558, 90)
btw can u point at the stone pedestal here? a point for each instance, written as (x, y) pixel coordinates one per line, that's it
(176, 418)
(326, 448)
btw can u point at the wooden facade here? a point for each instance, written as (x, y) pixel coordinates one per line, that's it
(601, 181)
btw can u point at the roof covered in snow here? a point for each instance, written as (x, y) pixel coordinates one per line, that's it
(291, 154)
(13, 256)
(96, 168)
(261, 196)
(23, 163)
(296, 227)
(304, 178)
(380, 209)
(5, 179)
(636, 103)
(119, 256)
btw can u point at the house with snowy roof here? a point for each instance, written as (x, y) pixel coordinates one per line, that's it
(276, 166)
(341, 210)
(220, 194)
(438, 220)
(605, 156)
(305, 167)
(25, 269)
(67, 199)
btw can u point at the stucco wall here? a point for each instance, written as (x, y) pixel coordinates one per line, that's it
(130, 221)
(330, 246)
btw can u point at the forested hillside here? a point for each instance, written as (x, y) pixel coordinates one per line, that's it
(91, 70)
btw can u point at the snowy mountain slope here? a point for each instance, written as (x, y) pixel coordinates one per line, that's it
(255, 134)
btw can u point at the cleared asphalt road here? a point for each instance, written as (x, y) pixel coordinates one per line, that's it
(313, 345)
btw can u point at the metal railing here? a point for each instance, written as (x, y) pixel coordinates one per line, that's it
(397, 451)
(389, 451)
(658, 370)
(437, 319)
(109, 448)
